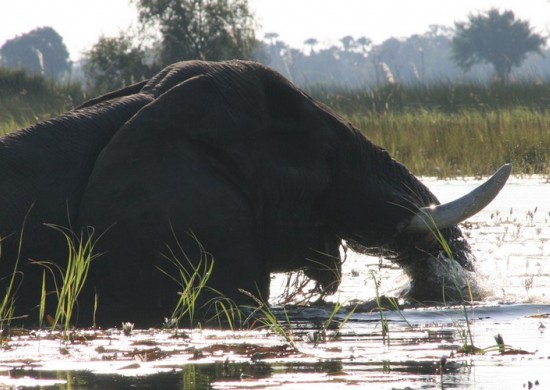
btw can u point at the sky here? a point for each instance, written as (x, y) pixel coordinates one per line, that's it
(82, 22)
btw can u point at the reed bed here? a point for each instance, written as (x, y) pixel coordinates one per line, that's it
(470, 143)
(450, 130)
(25, 98)
(442, 130)
(444, 97)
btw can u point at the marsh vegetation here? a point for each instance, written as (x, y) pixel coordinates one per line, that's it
(441, 130)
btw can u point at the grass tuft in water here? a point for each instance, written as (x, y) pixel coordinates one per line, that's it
(323, 335)
(127, 328)
(7, 304)
(192, 278)
(226, 313)
(68, 282)
(383, 321)
(263, 315)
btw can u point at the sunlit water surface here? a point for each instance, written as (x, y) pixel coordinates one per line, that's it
(511, 242)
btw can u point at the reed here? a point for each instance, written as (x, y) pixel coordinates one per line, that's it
(450, 130)
(441, 97)
(26, 98)
(441, 130)
(69, 282)
(458, 278)
(7, 303)
(380, 307)
(265, 317)
(192, 278)
(467, 144)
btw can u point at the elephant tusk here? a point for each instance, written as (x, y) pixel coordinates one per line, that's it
(431, 218)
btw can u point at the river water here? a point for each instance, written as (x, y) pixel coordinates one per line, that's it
(399, 349)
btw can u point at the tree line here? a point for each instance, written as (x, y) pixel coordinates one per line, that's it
(491, 45)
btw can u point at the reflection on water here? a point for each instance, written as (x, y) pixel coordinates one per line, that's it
(409, 355)
(416, 349)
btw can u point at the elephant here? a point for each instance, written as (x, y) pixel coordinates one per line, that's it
(227, 159)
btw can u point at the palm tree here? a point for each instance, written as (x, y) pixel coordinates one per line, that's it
(364, 43)
(311, 42)
(347, 42)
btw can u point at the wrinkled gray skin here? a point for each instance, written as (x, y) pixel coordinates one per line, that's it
(263, 176)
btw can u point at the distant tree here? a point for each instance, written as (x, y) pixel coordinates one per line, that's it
(364, 43)
(272, 37)
(435, 30)
(113, 63)
(39, 51)
(200, 29)
(495, 38)
(347, 42)
(311, 42)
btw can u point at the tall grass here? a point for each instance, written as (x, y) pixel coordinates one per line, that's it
(447, 130)
(26, 98)
(69, 282)
(7, 303)
(442, 97)
(441, 130)
(192, 278)
(433, 143)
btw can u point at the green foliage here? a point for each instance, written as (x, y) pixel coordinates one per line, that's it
(468, 144)
(495, 38)
(171, 31)
(192, 278)
(445, 130)
(40, 51)
(28, 98)
(113, 63)
(442, 97)
(68, 282)
(263, 315)
(200, 29)
(7, 303)
(226, 313)
(440, 130)
(383, 321)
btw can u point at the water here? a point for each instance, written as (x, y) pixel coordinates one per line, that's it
(511, 240)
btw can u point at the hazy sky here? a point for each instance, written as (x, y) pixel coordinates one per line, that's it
(81, 22)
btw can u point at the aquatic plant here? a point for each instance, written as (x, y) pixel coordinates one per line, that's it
(226, 313)
(192, 278)
(500, 347)
(455, 274)
(7, 303)
(43, 294)
(71, 279)
(263, 315)
(383, 321)
(127, 328)
(432, 143)
(322, 334)
(96, 305)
